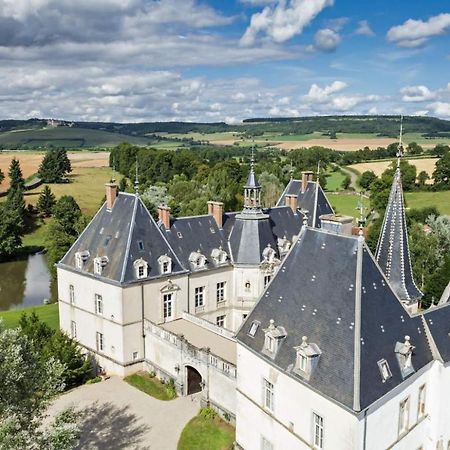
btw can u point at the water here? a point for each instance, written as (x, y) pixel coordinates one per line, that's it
(25, 283)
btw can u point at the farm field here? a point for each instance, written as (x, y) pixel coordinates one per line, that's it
(67, 137)
(440, 199)
(347, 204)
(30, 161)
(378, 167)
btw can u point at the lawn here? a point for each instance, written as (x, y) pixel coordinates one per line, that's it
(206, 433)
(47, 313)
(150, 385)
(419, 200)
(347, 204)
(334, 181)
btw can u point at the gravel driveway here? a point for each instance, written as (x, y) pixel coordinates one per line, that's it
(118, 416)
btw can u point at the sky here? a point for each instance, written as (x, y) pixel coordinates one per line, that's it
(222, 60)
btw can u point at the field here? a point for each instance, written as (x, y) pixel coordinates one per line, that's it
(378, 167)
(66, 137)
(47, 313)
(417, 200)
(347, 204)
(30, 161)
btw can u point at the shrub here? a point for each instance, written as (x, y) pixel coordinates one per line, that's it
(94, 380)
(208, 413)
(170, 389)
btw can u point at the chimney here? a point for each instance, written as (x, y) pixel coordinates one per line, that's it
(337, 223)
(291, 201)
(306, 177)
(164, 215)
(215, 209)
(111, 194)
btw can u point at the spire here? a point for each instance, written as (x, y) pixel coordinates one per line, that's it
(113, 176)
(252, 190)
(400, 143)
(316, 196)
(393, 249)
(136, 181)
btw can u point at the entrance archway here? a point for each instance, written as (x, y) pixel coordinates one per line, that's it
(194, 380)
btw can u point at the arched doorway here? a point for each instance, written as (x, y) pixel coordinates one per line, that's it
(194, 380)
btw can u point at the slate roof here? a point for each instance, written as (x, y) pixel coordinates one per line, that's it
(314, 295)
(312, 200)
(249, 236)
(123, 234)
(393, 249)
(190, 234)
(438, 322)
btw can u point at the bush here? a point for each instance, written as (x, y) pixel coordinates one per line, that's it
(94, 380)
(170, 389)
(208, 413)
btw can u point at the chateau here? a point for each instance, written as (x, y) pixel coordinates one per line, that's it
(282, 318)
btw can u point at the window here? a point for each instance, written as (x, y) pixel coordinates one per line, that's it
(384, 370)
(220, 321)
(71, 294)
(165, 264)
(318, 431)
(98, 304)
(141, 268)
(270, 343)
(268, 395)
(167, 302)
(303, 361)
(213, 360)
(253, 328)
(73, 329)
(220, 292)
(421, 403)
(199, 296)
(267, 279)
(141, 246)
(266, 444)
(247, 286)
(165, 267)
(226, 367)
(135, 356)
(141, 272)
(99, 341)
(403, 418)
(244, 316)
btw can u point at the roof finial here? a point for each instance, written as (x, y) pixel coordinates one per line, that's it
(318, 171)
(136, 181)
(252, 161)
(400, 144)
(362, 219)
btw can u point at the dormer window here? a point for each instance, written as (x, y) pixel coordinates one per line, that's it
(308, 355)
(273, 339)
(197, 259)
(219, 255)
(385, 370)
(141, 268)
(81, 258)
(403, 352)
(269, 253)
(284, 245)
(254, 328)
(165, 264)
(100, 263)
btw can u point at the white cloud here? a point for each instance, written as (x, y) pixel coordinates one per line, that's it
(416, 94)
(317, 94)
(258, 2)
(441, 109)
(326, 40)
(364, 29)
(284, 20)
(414, 33)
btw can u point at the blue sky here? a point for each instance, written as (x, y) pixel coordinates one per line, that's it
(198, 60)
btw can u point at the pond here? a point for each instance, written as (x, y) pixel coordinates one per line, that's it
(25, 282)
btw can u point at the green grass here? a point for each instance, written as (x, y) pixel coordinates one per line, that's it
(202, 433)
(47, 313)
(419, 200)
(37, 237)
(67, 137)
(334, 181)
(150, 385)
(347, 204)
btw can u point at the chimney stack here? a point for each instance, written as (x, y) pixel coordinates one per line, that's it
(291, 201)
(306, 177)
(111, 194)
(337, 223)
(164, 215)
(215, 209)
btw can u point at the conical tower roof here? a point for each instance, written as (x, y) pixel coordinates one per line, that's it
(393, 249)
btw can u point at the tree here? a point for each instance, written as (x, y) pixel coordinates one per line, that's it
(46, 202)
(366, 179)
(441, 173)
(414, 148)
(15, 175)
(437, 283)
(2, 176)
(27, 387)
(422, 178)
(346, 182)
(123, 184)
(54, 166)
(10, 230)
(67, 212)
(271, 189)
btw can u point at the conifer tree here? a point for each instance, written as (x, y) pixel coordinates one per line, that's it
(46, 202)
(54, 166)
